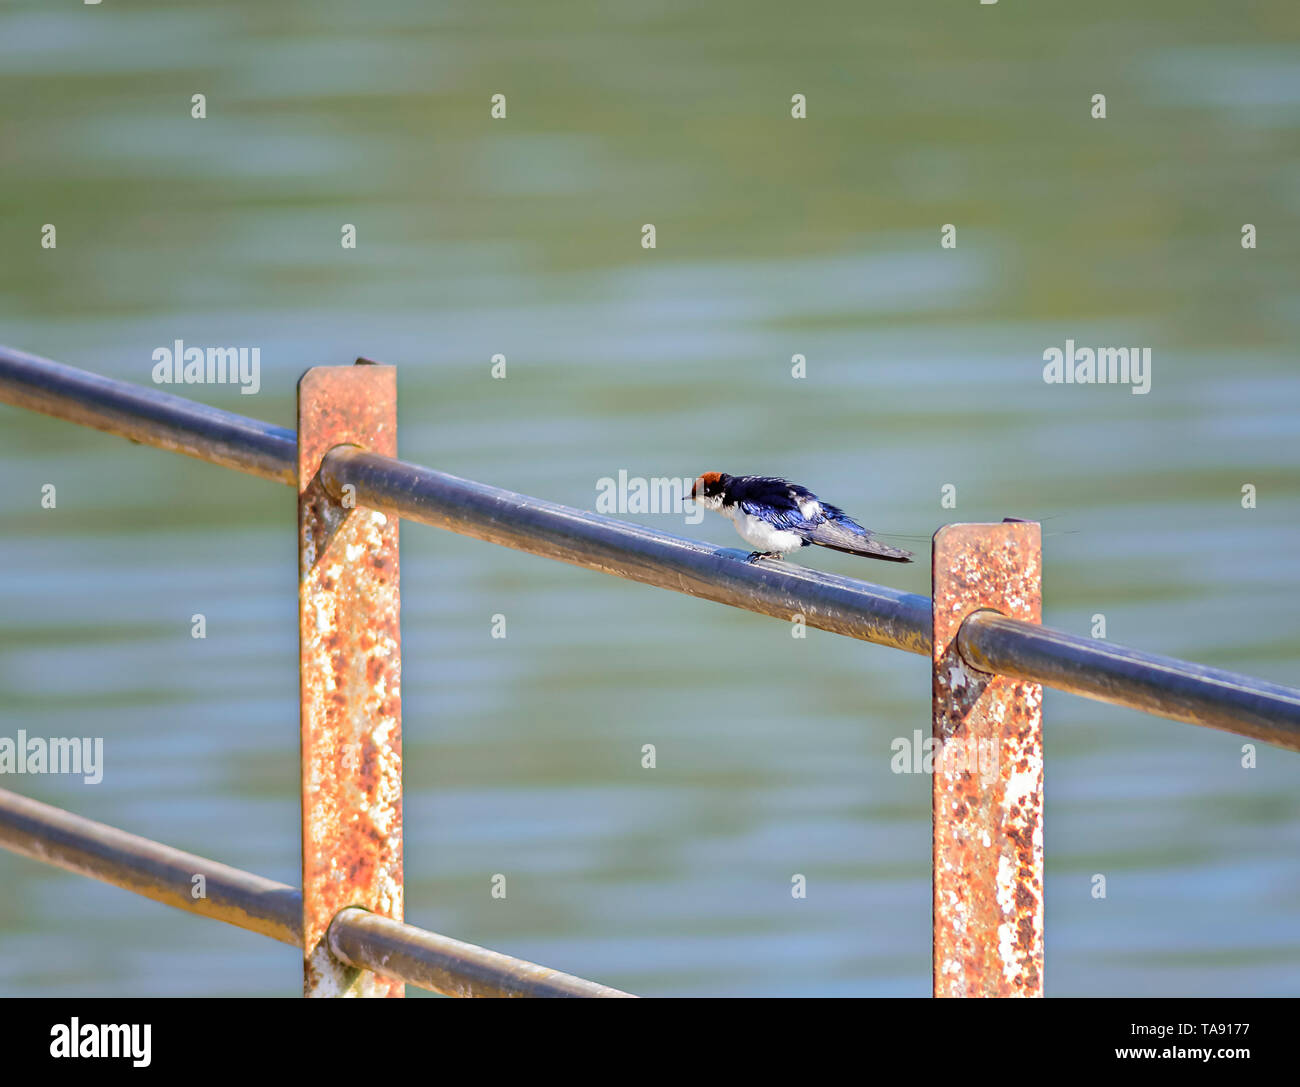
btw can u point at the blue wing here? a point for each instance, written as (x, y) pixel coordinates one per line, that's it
(785, 516)
(777, 502)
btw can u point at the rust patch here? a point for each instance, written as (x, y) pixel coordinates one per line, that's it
(988, 777)
(350, 670)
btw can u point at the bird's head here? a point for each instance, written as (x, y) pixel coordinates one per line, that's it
(707, 490)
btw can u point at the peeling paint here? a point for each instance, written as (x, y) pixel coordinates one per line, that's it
(350, 666)
(988, 835)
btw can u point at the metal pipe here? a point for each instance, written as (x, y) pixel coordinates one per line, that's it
(1147, 682)
(148, 868)
(839, 604)
(360, 938)
(1163, 686)
(991, 643)
(148, 416)
(365, 940)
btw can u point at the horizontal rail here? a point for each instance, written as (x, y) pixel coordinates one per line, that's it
(838, 604)
(369, 941)
(1098, 670)
(361, 939)
(149, 416)
(148, 868)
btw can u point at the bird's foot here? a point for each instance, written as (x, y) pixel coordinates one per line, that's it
(754, 556)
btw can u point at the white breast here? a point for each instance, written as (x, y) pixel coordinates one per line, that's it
(761, 536)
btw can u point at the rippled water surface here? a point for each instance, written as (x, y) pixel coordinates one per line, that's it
(774, 237)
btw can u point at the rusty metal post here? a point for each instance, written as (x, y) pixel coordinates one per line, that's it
(988, 772)
(350, 670)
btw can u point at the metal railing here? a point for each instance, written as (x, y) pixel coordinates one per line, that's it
(360, 939)
(989, 651)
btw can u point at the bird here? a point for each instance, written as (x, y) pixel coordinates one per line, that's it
(775, 517)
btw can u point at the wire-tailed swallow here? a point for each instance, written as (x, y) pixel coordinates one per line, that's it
(776, 517)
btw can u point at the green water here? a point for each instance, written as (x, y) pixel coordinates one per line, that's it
(774, 237)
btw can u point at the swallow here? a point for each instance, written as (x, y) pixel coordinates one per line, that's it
(775, 517)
